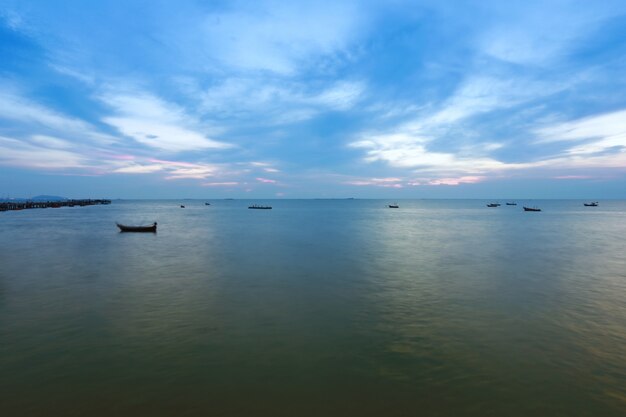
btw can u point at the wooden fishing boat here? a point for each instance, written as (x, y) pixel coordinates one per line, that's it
(531, 209)
(207, 204)
(592, 204)
(394, 205)
(493, 205)
(144, 229)
(511, 204)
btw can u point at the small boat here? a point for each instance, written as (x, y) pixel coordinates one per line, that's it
(531, 209)
(494, 205)
(258, 207)
(511, 204)
(145, 229)
(592, 204)
(207, 204)
(394, 205)
(181, 206)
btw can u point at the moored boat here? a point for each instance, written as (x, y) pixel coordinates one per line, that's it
(258, 207)
(592, 204)
(511, 204)
(531, 209)
(394, 205)
(207, 204)
(493, 205)
(145, 229)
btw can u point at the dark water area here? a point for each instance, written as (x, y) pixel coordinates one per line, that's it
(314, 308)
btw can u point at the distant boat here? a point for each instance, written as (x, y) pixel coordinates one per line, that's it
(181, 206)
(258, 207)
(592, 204)
(511, 204)
(531, 209)
(207, 204)
(149, 229)
(394, 205)
(494, 205)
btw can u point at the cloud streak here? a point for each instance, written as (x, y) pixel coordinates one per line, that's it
(157, 124)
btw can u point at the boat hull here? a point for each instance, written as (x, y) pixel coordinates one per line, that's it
(137, 229)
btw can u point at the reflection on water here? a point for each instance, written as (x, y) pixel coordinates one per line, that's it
(314, 308)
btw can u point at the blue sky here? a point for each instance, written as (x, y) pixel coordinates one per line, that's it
(394, 99)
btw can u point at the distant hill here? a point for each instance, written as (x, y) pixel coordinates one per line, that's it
(48, 198)
(37, 198)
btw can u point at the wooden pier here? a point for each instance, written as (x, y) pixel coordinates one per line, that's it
(24, 205)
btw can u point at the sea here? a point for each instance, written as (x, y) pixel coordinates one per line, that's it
(314, 308)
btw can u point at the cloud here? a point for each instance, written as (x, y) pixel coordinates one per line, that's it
(220, 184)
(268, 100)
(531, 34)
(594, 134)
(265, 180)
(172, 170)
(36, 117)
(481, 93)
(18, 153)
(404, 150)
(135, 168)
(453, 181)
(278, 36)
(378, 182)
(157, 124)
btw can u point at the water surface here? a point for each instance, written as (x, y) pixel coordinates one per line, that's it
(314, 308)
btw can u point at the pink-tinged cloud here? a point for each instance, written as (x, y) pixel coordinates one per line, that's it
(220, 184)
(266, 180)
(378, 182)
(455, 181)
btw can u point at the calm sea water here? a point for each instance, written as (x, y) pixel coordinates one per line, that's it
(314, 308)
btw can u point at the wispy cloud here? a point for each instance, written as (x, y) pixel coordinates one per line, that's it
(279, 36)
(156, 123)
(378, 182)
(220, 184)
(266, 180)
(18, 153)
(593, 134)
(539, 33)
(18, 109)
(275, 101)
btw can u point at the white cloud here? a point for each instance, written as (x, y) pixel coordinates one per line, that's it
(18, 153)
(485, 93)
(609, 127)
(341, 96)
(52, 142)
(220, 184)
(157, 124)
(596, 139)
(39, 118)
(135, 168)
(404, 150)
(172, 170)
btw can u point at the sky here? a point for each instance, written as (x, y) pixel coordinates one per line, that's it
(313, 99)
